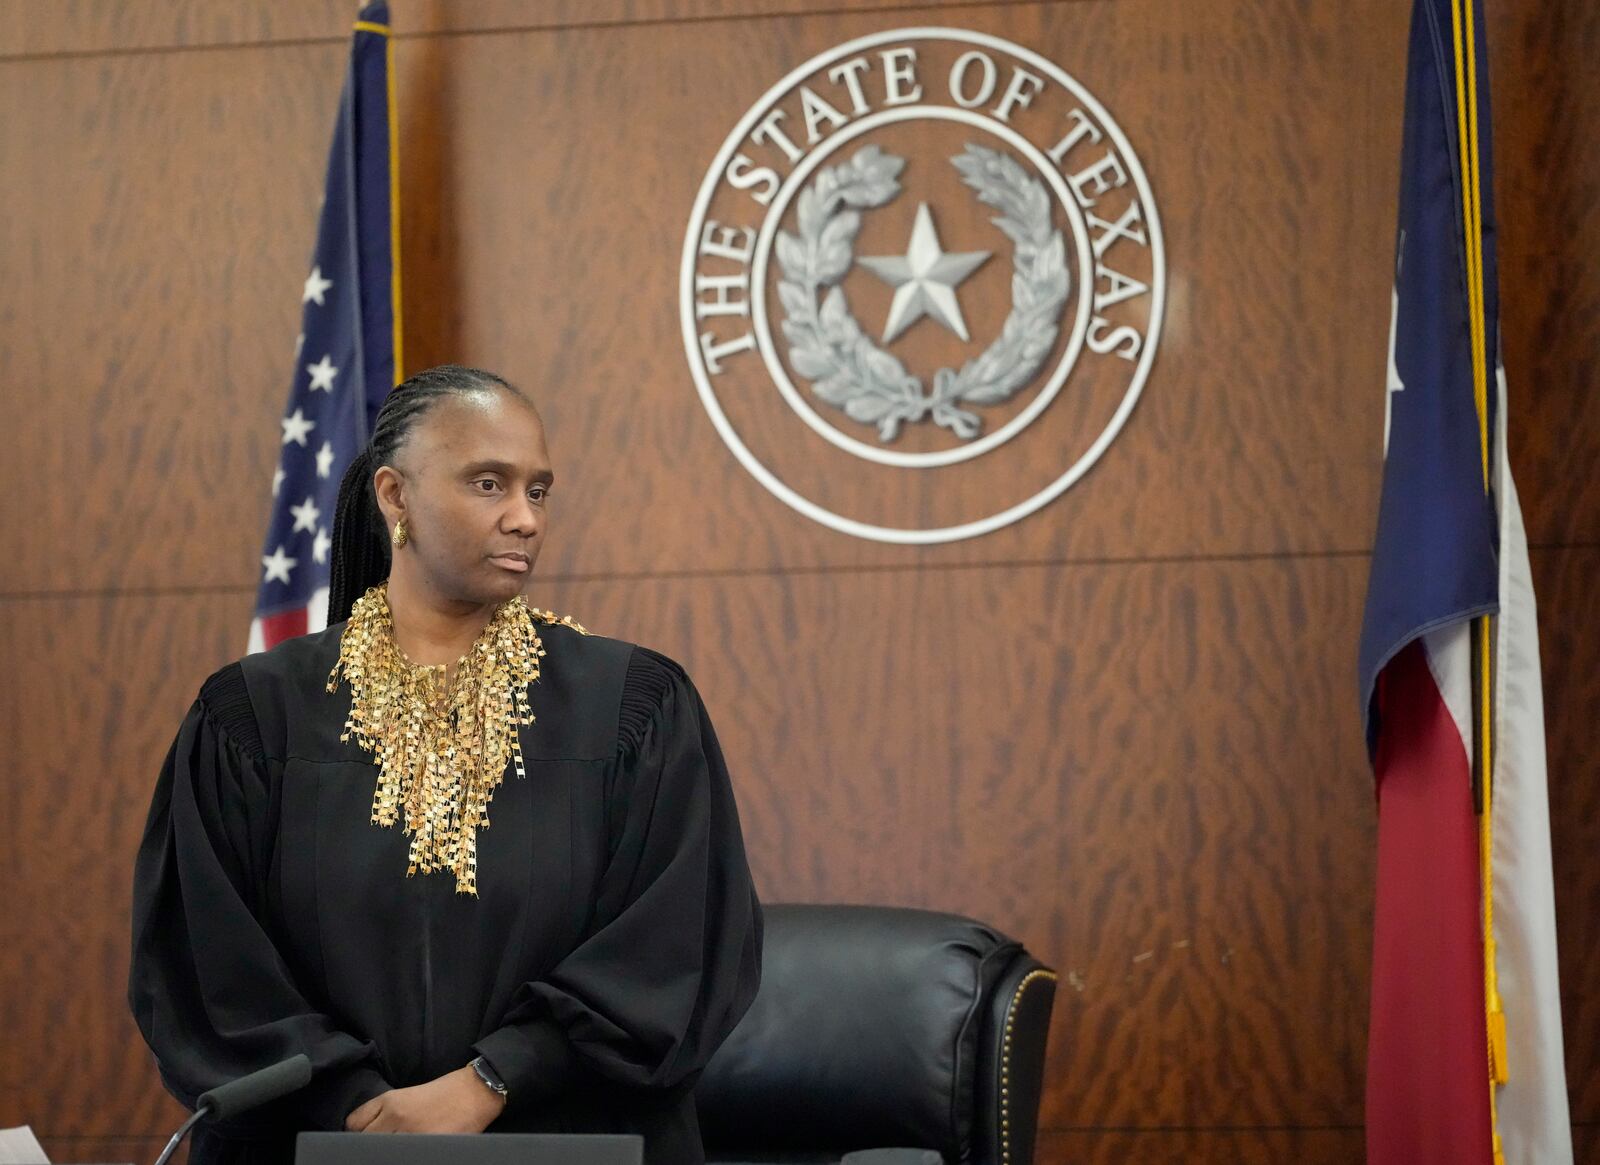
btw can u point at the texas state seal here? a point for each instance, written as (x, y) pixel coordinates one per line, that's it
(920, 252)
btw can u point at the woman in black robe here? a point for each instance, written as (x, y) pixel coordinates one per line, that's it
(570, 969)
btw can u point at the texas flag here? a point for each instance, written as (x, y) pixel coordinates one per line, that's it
(348, 354)
(1465, 1058)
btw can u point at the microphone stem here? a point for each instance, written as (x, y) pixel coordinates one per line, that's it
(179, 1135)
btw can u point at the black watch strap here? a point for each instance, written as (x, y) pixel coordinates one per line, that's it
(490, 1077)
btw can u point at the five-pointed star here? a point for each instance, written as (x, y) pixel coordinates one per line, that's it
(320, 546)
(305, 515)
(296, 427)
(322, 374)
(277, 480)
(324, 460)
(278, 565)
(924, 279)
(315, 286)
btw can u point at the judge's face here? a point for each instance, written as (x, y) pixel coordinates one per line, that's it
(471, 481)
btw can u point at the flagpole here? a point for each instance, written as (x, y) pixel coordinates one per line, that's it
(394, 207)
(1463, 14)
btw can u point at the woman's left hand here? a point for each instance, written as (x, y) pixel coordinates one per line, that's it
(457, 1102)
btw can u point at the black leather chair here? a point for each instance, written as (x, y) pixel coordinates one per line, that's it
(882, 1036)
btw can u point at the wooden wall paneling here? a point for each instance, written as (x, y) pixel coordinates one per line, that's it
(1246, 437)
(1149, 770)
(106, 684)
(1008, 743)
(161, 210)
(114, 1148)
(1187, 1146)
(48, 27)
(1547, 117)
(165, 271)
(160, 319)
(1569, 611)
(1151, 774)
(40, 27)
(1586, 1144)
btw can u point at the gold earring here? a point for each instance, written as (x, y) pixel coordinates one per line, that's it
(400, 537)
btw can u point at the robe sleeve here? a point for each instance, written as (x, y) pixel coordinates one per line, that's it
(672, 958)
(209, 989)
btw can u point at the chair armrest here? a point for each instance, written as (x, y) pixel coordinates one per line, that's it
(1011, 1063)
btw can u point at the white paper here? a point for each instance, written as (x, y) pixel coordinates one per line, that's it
(21, 1147)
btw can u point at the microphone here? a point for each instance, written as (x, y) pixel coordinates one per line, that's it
(241, 1095)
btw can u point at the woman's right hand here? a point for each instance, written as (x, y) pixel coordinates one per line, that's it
(457, 1102)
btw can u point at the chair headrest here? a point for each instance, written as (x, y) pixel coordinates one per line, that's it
(865, 1032)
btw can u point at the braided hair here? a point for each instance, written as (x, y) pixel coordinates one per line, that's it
(361, 549)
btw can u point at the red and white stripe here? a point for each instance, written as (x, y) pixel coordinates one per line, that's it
(271, 630)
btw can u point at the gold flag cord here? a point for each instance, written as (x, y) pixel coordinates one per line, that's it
(1463, 19)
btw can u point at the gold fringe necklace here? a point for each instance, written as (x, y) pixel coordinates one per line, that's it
(441, 752)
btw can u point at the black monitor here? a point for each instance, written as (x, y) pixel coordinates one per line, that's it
(472, 1149)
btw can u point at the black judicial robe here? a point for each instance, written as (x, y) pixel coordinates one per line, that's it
(614, 942)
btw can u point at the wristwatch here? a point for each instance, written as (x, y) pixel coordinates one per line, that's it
(490, 1077)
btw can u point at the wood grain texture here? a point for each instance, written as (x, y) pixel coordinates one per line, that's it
(1123, 730)
(1569, 611)
(1245, 439)
(153, 251)
(1187, 1146)
(177, 194)
(154, 259)
(93, 26)
(122, 1149)
(86, 735)
(1547, 117)
(1586, 1144)
(1059, 751)
(1151, 774)
(1233, 1146)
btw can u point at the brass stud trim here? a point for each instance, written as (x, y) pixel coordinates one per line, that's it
(1005, 1059)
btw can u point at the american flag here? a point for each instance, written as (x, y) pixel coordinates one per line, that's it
(1464, 1049)
(348, 354)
